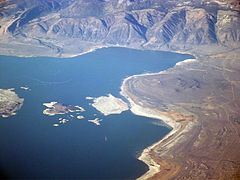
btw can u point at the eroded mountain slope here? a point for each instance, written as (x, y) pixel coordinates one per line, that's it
(67, 28)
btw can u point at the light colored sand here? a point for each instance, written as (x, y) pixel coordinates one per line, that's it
(66, 55)
(161, 72)
(185, 62)
(109, 105)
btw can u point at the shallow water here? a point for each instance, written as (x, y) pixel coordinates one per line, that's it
(31, 147)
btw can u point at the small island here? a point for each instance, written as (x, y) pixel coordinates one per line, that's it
(109, 105)
(25, 88)
(80, 117)
(9, 102)
(89, 98)
(96, 121)
(54, 108)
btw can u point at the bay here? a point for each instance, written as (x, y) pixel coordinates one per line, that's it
(31, 147)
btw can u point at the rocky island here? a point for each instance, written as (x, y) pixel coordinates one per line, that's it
(58, 108)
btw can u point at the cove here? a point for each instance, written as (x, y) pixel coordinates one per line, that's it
(30, 147)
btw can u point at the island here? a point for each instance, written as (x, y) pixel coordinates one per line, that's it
(80, 117)
(9, 102)
(109, 105)
(54, 108)
(25, 88)
(63, 121)
(96, 121)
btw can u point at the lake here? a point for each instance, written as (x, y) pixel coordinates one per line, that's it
(31, 147)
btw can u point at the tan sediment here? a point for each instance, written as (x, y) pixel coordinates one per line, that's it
(185, 61)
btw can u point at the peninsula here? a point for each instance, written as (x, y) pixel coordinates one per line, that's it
(201, 117)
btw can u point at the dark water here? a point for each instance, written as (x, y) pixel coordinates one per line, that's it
(30, 147)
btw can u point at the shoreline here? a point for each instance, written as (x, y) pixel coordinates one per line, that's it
(152, 113)
(94, 48)
(147, 112)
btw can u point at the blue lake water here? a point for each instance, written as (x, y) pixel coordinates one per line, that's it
(30, 147)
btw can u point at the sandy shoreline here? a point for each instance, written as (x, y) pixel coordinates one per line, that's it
(147, 112)
(151, 113)
(94, 48)
(84, 52)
